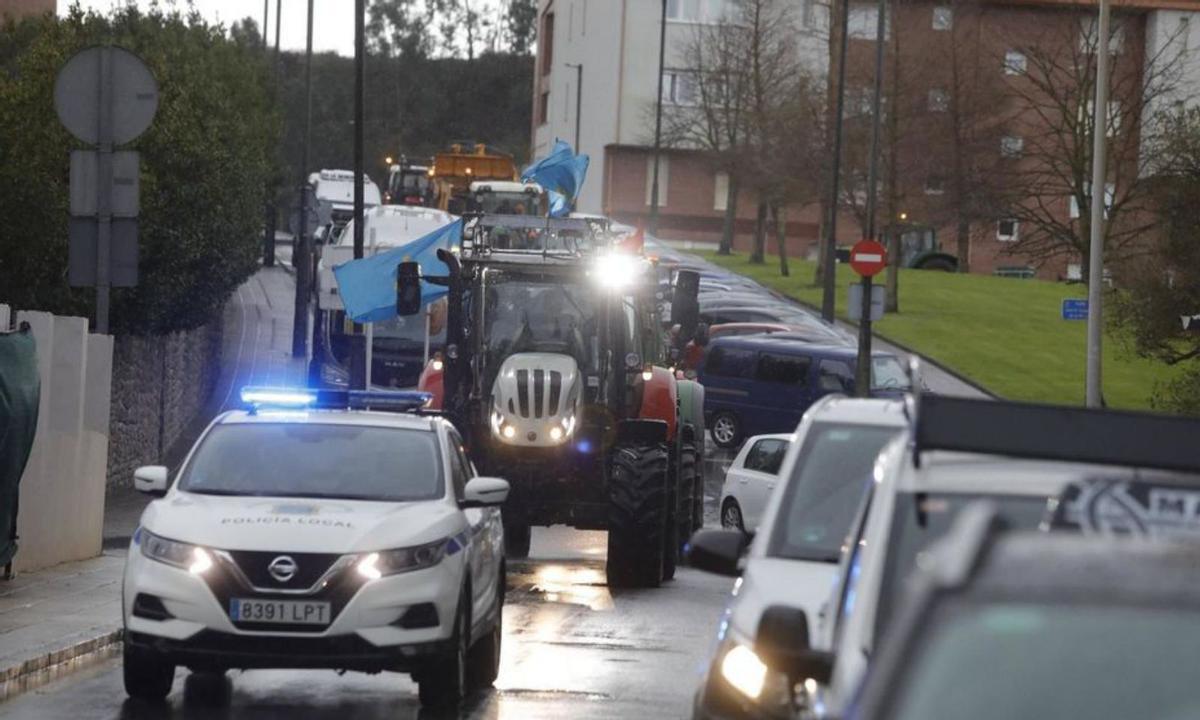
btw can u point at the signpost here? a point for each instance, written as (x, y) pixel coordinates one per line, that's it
(1074, 309)
(104, 96)
(867, 258)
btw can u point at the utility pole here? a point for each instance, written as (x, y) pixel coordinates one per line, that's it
(829, 267)
(662, 51)
(1095, 325)
(862, 379)
(360, 350)
(578, 99)
(269, 204)
(300, 246)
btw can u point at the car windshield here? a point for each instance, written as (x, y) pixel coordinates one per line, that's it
(508, 203)
(350, 462)
(524, 314)
(888, 374)
(1001, 661)
(921, 518)
(825, 487)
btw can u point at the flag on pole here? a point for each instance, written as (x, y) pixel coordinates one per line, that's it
(562, 173)
(367, 286)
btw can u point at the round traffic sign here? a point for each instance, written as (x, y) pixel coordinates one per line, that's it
(868, 258)
(133, 94)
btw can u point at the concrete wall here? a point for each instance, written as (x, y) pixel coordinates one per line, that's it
(61, 513)
(160, 384)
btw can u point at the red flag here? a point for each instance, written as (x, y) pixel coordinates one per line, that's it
(634, 242)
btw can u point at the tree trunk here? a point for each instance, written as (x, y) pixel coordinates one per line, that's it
(758, 254)
(963, 237)
(779, 216)
(730, 225)
(819, 270)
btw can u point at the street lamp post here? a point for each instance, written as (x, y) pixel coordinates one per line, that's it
(1093, 392)
(828, 268)
(578, 99)
(300, 247)
(662, 50)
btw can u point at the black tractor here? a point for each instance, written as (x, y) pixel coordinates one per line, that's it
(557, 372)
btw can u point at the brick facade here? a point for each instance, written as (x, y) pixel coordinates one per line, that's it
(25, 8)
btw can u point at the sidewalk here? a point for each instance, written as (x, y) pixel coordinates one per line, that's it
(58, 620)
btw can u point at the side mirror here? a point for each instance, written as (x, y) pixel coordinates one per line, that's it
(717, 551)
(485, 492)
(685, 303)
(151, 479)
(408, 289)
(783, 644)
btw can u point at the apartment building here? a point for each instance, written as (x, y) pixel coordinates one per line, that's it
(595, 87)
(15, 9)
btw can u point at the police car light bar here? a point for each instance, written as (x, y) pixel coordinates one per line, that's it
(290, 398)
(1050, 432)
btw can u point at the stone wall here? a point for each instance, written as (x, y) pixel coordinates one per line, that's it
(160, 383)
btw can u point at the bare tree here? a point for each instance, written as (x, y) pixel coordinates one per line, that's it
(1051, 191)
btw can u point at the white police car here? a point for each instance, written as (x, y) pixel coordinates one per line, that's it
(314, 531)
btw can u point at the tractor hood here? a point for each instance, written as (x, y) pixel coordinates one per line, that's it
(535, 400)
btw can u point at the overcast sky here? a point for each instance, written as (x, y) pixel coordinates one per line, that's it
(333, 20)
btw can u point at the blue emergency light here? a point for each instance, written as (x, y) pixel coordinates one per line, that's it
(257, 398)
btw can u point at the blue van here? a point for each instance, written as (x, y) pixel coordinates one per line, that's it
(759, 384)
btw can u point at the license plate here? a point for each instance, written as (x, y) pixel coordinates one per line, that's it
(286, 612)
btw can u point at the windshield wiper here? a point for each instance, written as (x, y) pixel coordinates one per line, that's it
(220, 493)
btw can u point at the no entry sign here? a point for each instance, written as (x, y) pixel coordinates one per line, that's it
(868, 258)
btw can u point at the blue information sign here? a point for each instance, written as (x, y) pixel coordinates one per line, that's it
(1074, 309)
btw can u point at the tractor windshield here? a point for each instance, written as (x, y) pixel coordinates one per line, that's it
(525, 314)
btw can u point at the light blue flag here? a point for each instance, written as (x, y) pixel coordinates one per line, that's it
(368, 285)
(559, 207)
(562, 171)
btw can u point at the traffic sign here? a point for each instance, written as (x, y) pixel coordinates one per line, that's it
(854, 308)
(85, 183)
(132, 94)
(1074, 309)
(868, 258)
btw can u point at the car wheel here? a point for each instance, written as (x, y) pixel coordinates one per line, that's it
(726, 430)
(147, 675)
(731, 516)
(443, 684)
(483, 662)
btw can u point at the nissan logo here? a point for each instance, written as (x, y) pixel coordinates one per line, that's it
(283, 568)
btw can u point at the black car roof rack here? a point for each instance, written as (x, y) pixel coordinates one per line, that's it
(1050, 432)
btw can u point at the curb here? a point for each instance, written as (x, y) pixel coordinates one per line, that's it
(52, 665)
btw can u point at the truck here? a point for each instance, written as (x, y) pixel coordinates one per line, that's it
(455, 169)
(409, 184)
(556, 371)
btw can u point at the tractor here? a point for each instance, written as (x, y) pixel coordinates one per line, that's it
(557, 373)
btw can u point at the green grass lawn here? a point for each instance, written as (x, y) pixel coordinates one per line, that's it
(1005, 334)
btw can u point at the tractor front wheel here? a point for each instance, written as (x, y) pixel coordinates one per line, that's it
(637, 514)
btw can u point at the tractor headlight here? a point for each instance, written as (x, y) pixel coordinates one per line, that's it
(563, 428)
(500, 428)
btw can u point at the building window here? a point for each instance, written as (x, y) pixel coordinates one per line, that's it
(1014, 63)
(935, 185)
(943, 17)
(680, 88)
(808, 16)
(664, 174)
(1006, 230)
(864, 21)
(698, 11)
(1012, 146)
(721, 191)
(1183, 30)
(939, 100)
(1089, 35)
(546, 41)
(1110, 192)
(544, 108)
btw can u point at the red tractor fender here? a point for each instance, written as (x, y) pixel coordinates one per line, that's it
(660, 399)
(431, 382)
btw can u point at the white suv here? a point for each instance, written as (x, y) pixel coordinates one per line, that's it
(793, 559)
(311, 532)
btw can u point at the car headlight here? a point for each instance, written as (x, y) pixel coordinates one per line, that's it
(192, 558)
(393, 562)
(742, 669)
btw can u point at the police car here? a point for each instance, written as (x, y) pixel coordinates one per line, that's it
(319, 529)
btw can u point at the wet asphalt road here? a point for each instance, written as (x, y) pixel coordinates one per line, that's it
(572, 649)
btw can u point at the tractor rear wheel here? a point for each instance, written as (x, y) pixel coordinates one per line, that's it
(637, 514)
(689, 499)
